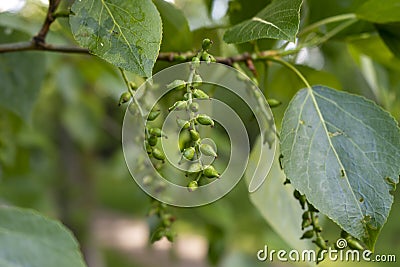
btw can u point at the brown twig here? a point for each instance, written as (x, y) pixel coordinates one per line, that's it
(41, 36)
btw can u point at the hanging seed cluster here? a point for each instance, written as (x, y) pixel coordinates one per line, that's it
(192, 153)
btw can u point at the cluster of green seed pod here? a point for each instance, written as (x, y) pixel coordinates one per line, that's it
(311, 225)
(196, 147)
(164, 222)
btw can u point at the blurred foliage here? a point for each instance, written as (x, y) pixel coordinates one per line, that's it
(66, 160)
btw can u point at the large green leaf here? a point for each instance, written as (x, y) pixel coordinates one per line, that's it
(279, 20)
(176, 33)
(380, 11)
(276, 203)
(31, 240)
(20, 82)
(343, 152)
(125, 33)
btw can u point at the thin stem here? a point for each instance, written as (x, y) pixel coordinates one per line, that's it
(125, 78)
(292, 68)
(325, 21)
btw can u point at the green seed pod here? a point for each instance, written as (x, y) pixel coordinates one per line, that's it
(152, 140)
(178, 105)
(189, 152)
(200, 94)
(296, 194)
(194, 135)
(196, 80)
(156, 132)
(132, 85)
(208, 150)
(303, 201)
(273, 103)
(158, 154)
(157, 235)
(305, 224)
(318, 229)
(170, 236)
(354, 244)
(177, 84)
(148, 147)
(153, 115)
(320, 242)
(192, 186)
(206, 44)
(210, 172)
(183, 123)
(306, 215)
(194, 106)
(204, 120)
(125, 97)
(307, 234)
(195, 167)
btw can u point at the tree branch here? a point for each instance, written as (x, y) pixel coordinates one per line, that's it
(41, 36)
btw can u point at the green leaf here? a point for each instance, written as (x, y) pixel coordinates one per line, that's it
(276, 203)
(174, 22)
(380, 11)
(20, 83)
(390, 34)
(29, 239)
(279, 20)
(125, 33)
(343, 152)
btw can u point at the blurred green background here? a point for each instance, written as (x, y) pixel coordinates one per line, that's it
(60, 140)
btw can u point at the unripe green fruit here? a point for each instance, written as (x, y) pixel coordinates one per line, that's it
(303, 201)
(306, 215)
(189, 152)
(307, 234)
(156, 132)
(192, 186)
(194, 135)
(157, 235)
(296, 194)
(152, 140)
(125, 97)
(158, 154)
(196, 80)
(194, 107)
(273, 103)
(132, 85)
(200, 94)
(210, 172)
(320, 242)
(153, 115)
(206, 44)
(305, 224)
(178, 105)
(204, 120)
(170, 236)
(183, 123)
(354, 244)
(195, 167)
(177, 84)
(208, 150)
